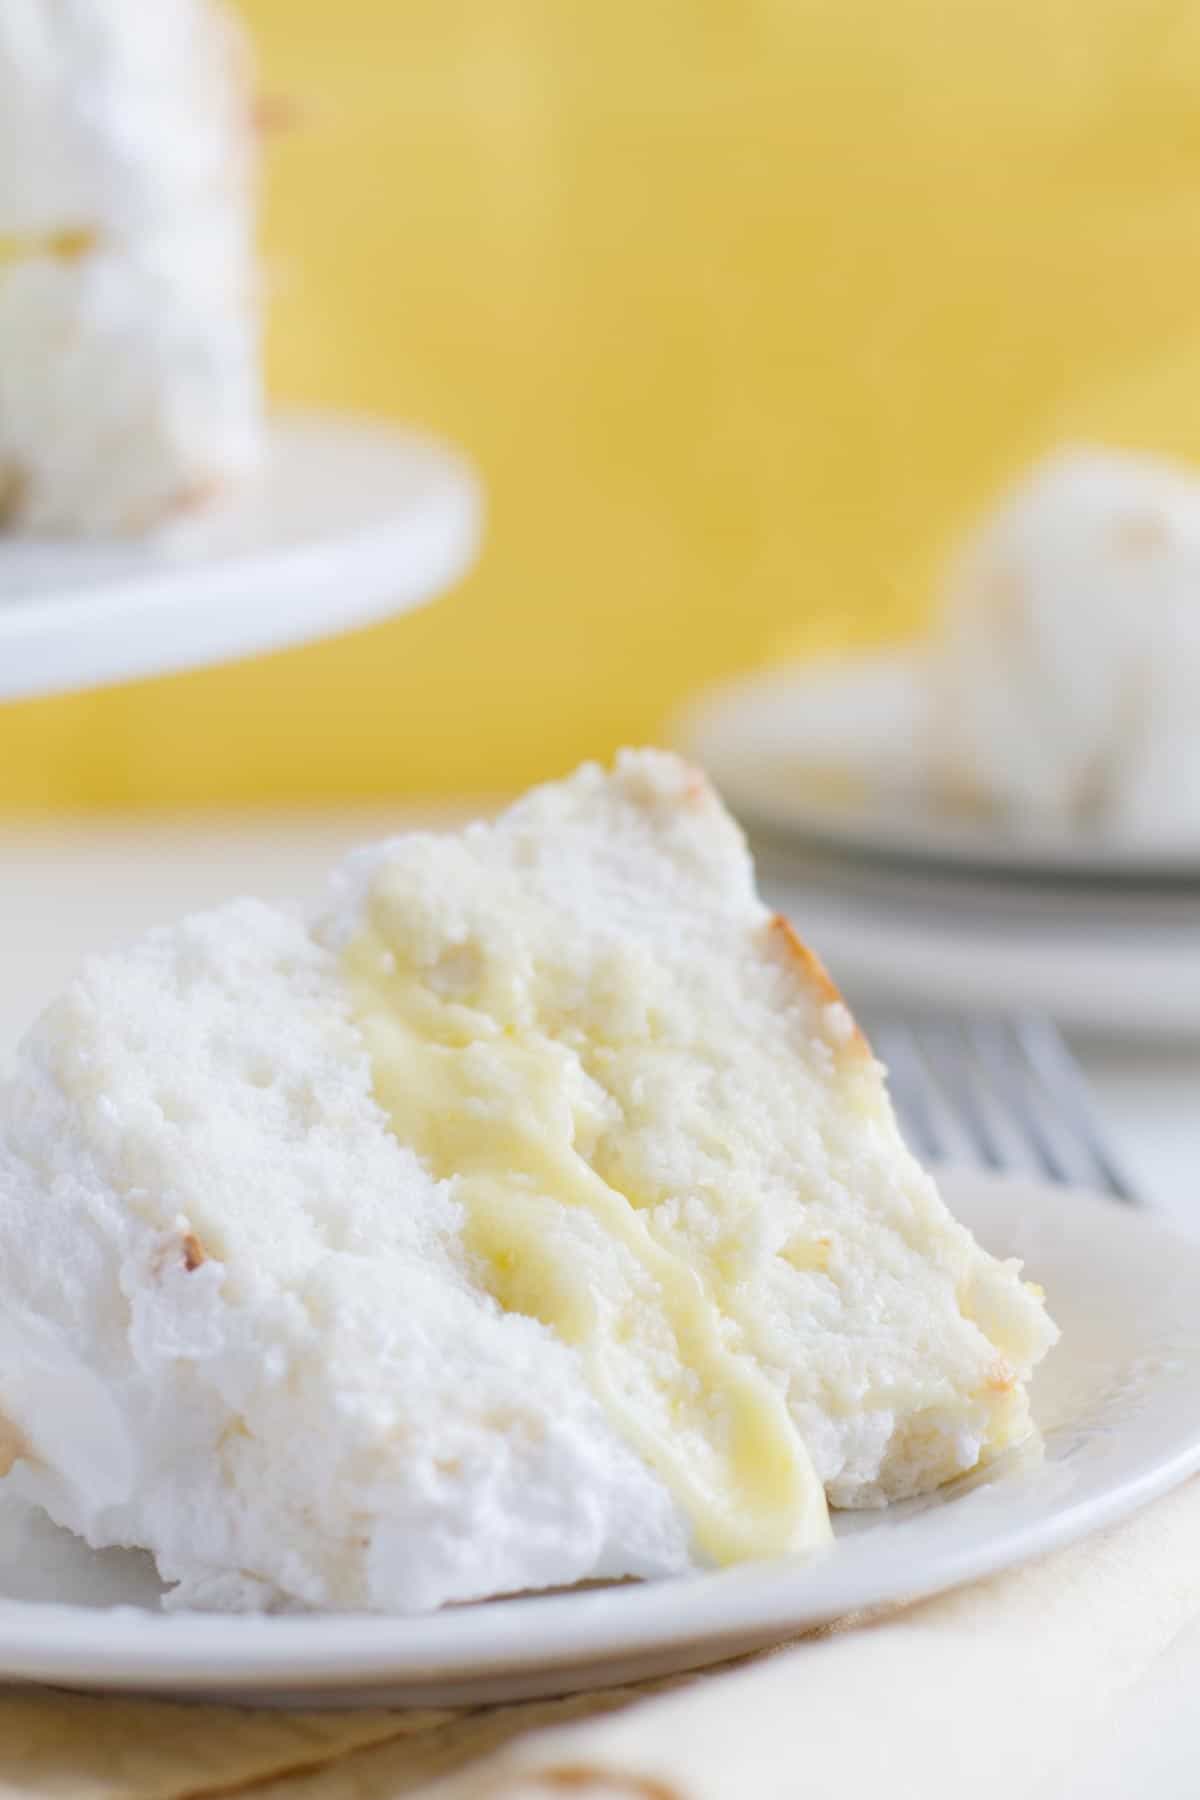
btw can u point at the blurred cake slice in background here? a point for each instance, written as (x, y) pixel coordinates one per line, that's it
(129, 353)
(1064, 676)
(1053, 703)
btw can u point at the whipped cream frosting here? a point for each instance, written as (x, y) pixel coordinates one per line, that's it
(129, 293)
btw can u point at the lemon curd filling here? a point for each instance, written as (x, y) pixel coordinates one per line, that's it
(66, 246)
(476, 1077)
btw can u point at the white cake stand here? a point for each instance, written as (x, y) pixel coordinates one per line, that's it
(353, 522)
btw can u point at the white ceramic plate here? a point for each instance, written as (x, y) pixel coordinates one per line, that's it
(1118, 1401)
(352, 522)
(828, 755)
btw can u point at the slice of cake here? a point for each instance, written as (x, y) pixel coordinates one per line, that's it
(129, 364)
(538, 1215)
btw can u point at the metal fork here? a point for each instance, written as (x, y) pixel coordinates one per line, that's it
(1001, 1091)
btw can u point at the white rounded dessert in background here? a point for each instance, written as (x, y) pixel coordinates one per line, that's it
(129, 357)
(1065, 671)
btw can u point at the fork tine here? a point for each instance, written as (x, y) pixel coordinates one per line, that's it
(945, 1047)
(1057, 1073)
(908, 1084)
(995, 1043)
(1006, 1089)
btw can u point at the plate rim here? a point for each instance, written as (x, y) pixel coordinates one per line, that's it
(167, 609)
(883, 830)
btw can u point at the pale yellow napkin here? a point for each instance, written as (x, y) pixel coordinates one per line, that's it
(1073, 1676)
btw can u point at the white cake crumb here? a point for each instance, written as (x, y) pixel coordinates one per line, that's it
(839, 1025)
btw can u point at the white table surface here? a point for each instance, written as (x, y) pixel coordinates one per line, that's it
(71, 886)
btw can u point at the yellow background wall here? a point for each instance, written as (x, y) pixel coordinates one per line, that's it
(739, 304)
